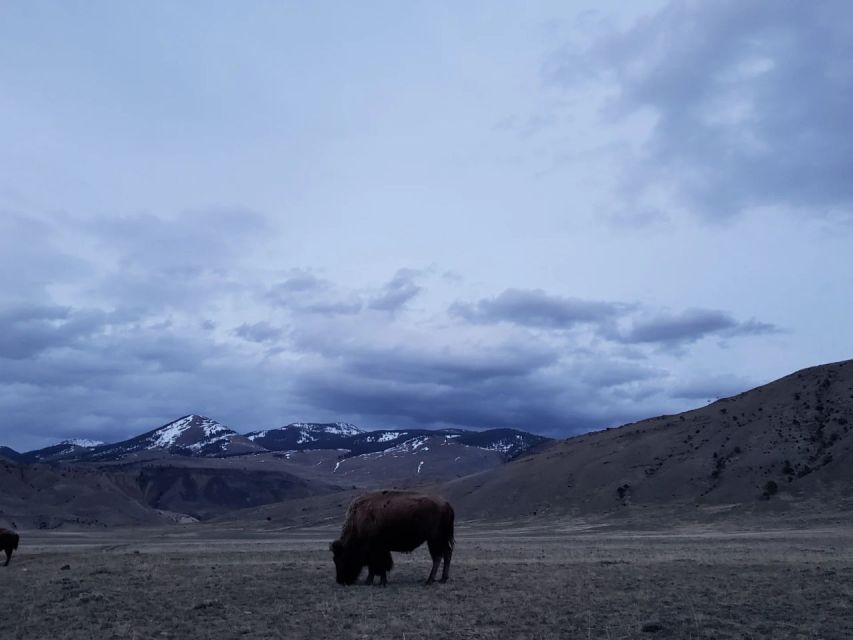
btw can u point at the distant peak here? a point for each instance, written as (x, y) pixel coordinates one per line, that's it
(82, 442)
(193, 417)
(337, 428)
(206, 429)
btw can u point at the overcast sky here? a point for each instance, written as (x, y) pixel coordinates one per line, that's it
(556, 216)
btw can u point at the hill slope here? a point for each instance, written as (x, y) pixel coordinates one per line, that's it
(38, 496)
(790, 440)
(10, 455)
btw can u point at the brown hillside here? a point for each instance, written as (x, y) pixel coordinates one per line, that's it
(783, 443)
(41, 496)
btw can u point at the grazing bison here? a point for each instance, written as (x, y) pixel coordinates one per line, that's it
(8, 542)
(384, 521)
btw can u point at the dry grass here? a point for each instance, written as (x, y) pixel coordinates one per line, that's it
(197, 583)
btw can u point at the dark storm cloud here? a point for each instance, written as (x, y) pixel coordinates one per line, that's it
(397, 292)
(526, 381)
(258, 332)
(129, 377)
(28, 330)
(751, 101)
(536, 308)
(107, 352)
(386, 355)
(443, 366)
(687, 327)
(487, 403)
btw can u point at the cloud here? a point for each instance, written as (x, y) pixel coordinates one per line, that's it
(397, 292)
(305, 292)
(686, 327)
(258, 332)
(536, 308)
(487, 404)
(194, 240)
(543, 396)
(747, 101)
(462, 365)
(117, 369)
(28, 330)
(473, 375)
(166, 264)
(39, 246)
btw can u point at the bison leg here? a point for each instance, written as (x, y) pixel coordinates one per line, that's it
(436, 553)
(435, 562)
(8, 556)
(383, 579)
(369, 580)
(445, 571)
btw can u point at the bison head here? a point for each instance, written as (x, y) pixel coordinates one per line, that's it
(348, 562)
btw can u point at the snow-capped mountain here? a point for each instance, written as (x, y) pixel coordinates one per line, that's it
(299, 436)
(302, 436)
(62, 450)
(191, 435)
(509, 443)
(199, 436)
(83, 442)
(195, 465)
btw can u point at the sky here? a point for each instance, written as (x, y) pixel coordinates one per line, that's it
(554, 216)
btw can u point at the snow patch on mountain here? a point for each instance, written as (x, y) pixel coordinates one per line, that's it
(384, 436)
(343, 429)
(335, 429)
(410, 445)
(505, 445)
(212, 432)
(82, 442)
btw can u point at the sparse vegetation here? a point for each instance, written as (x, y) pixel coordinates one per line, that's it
(523, 583)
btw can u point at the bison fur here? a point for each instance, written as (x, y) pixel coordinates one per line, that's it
(384, 521)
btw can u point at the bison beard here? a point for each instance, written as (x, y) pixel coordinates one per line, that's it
(385, 521)
(8, 543)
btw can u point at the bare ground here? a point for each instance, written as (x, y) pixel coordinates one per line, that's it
(558, 581)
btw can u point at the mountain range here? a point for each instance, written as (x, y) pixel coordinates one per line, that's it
(782, 448)
(199, 436)
(196, 467)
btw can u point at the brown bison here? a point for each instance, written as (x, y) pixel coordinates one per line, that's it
(384, 521)
(8, 542)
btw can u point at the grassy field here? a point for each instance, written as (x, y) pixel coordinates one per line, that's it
(552, 582)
